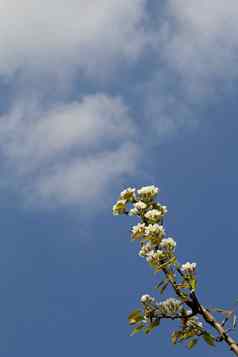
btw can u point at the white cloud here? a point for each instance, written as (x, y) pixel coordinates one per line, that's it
(87, 179)
(57, 148)
(55, 35)
(31, 135)
(200, 38)
(72, 152)
(196, 50)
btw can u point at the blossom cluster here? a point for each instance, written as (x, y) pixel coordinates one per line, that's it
(169, 307)
(138, 231)
(150, 231)
(155, 247)
(159, 251)
(156, 253)
(188, 269)
(168, 244)
(154, 232)
(142, 201)
(147, 193)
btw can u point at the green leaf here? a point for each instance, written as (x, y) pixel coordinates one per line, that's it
(135, 317)
(177, 336)
(185, 335)
(152, 326)
(208, 339)
(192, 343)
(137, 329)
(193, 283)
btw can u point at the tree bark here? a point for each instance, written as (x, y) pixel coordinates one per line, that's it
(209, 318)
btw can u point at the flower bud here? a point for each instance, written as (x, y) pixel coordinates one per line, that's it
(153, 216)
(138, 231)
(147, 193)
(119, 207)
(146, 299)
(168, 244)
(128, 194)
(188, 268)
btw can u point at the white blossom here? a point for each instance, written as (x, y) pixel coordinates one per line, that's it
(140, 205)
(146, 299)
(147, 193)
(168, 244)
(188, 268)
(138, 231)
(153, 216)
(146, 249)
(150, 256)
(169, 306)
(154, 231)
(133, 212)
(154, 256)
(119, 207)
(137, 209)
(128, 194)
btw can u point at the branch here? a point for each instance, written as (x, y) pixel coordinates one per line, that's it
(210, 319)
(197, 308)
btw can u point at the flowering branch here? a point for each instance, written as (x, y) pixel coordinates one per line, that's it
(159, 251)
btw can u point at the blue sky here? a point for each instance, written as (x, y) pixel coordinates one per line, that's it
(98, 96)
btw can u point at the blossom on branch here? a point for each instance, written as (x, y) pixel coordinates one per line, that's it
(146, 249)
(148, 193)
(153, 216)
(188, 268)
(138, 231)
(159, 252)
(154, 232)
(168, 244)
(169, 306)
(119, 207)
(146, 298)
(140, 206)
(128, 194)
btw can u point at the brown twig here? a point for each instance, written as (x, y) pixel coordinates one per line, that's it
(195, 305)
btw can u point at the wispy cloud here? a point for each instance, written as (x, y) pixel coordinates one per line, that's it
(57, 147)
(199, 39)
(87, 179)
(54, 36)
(56, 139)
(71, 151)
(195, 60)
